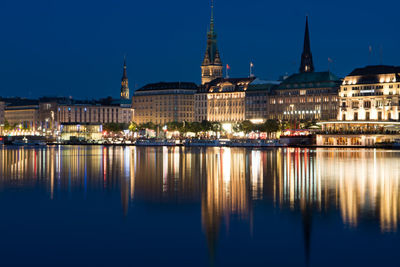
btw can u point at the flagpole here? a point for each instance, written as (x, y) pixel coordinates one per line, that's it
(250, 70)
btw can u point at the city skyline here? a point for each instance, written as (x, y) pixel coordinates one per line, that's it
(84, 57)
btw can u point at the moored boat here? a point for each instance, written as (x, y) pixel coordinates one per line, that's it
(147, 142)
(204, 143)
(29, 142)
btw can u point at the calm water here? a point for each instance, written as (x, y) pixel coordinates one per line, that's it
(125, 206)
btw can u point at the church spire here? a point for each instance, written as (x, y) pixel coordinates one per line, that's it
(211, 68)
(124, 83)
(307, 64)
(212, 17)
(124, 74)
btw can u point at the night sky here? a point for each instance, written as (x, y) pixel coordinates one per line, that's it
(76, 48)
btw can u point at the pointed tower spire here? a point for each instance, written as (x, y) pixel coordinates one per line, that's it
(212, 17)
(124, 83)
(124, 74)
(307, 64)
(211, 68)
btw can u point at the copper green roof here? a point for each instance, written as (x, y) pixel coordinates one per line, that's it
(261, 87)
(310, 80)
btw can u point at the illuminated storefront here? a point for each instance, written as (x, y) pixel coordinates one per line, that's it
(81, 132)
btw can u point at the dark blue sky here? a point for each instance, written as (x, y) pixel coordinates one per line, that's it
(75, 47)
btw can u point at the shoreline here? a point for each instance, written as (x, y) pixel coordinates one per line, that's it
(220, 146)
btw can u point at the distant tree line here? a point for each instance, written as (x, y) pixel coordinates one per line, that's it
(269, 126)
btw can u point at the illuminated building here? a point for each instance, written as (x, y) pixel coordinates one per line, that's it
(55, 111)
(211, 68)
(369, 109)
(370, 94)
(124, 84)
(307, 95)
(223, 100)
(200, 105)
(163, 102)
(87, 113)
(256, 98)
(23, 113)
(81, 132)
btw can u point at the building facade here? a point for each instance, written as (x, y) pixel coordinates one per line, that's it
(256, 100)
(305, 96)
(223, 100)
(87, 113)
(53, 112)
(81, 132)
(370, 94)
(211, 68)
(22, 113)
(163, 102)
(200, 105)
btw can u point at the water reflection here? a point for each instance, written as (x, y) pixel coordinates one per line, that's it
(361, 185)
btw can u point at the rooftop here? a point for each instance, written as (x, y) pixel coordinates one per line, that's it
(18, 101)
(230, 80)
(310, 80)
(168, 86)
(375, 70)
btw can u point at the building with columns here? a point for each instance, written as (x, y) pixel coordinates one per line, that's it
(371, 93)
(369, 113)
(222, 100)
(211, 68)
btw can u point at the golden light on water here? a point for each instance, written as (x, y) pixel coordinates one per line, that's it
(358, 184)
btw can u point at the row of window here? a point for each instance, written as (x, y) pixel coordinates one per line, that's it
(293, 100)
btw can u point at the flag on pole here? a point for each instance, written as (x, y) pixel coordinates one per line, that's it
(227, 67)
